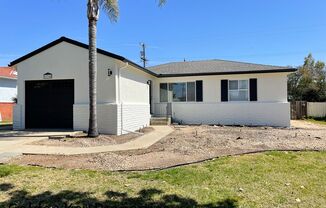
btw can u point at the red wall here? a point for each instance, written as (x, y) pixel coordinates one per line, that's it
(6, 110)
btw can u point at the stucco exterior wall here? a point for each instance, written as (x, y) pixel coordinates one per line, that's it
(271, 108)
(271, 87)
(106, 118)
(123, 97)
(67, 61)
(257, 113)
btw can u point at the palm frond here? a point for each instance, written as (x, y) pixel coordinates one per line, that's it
(111, 8)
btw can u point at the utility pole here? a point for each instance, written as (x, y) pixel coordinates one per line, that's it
(143, 54)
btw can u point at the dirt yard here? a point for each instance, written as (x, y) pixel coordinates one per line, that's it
(84, 141)
(189, 144)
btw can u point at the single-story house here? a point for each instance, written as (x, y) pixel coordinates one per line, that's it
(53, 91)
(8, 91)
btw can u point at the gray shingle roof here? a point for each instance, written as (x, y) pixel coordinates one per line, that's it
(210, 67)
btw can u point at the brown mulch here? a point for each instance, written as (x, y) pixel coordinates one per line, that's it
(190, 144)
(84, 141)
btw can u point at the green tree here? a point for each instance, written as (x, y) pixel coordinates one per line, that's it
(309, 82)
(111, 8)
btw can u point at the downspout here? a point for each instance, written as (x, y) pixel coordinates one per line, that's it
(119, 95)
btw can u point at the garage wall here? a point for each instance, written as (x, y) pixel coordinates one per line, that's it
(67, 61)
(123, 97)
(107, 118)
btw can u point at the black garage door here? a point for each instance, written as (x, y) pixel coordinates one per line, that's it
(49, 104)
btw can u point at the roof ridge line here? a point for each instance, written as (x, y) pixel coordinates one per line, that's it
(240, 62)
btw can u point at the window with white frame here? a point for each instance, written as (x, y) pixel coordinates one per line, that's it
(238, 90)
(178, 92)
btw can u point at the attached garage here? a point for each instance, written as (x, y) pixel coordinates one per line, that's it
(49, 104)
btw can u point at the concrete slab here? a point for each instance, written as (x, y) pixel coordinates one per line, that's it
(36, 133)
(6, 156)
(142, 142)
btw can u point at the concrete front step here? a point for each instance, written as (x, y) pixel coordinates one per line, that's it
(160, 121)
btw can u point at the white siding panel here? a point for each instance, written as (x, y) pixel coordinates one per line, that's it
(316, 109)
(133, 117)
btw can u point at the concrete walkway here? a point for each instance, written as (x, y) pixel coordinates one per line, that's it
(142, 142)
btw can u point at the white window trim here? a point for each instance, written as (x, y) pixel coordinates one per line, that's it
(248, 91)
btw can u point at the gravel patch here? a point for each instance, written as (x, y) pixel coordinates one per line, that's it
(188, 144)
(84, 141)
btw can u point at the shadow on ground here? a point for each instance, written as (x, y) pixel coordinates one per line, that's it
(144, 198)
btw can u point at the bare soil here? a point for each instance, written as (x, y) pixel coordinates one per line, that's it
(188, 144)
(84, 141)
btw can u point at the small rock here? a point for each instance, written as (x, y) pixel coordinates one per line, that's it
(302, 187)
(287, 184)
(127, 185)
(298, 200)
(239, 138)
(318, 137)
(241, 190)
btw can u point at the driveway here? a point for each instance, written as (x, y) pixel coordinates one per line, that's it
(11, 140)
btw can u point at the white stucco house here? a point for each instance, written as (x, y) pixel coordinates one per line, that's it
(53, 91)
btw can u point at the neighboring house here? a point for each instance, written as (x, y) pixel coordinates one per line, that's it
(53, 91)
(8, 90)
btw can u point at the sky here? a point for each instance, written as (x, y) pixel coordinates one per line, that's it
(276, 32)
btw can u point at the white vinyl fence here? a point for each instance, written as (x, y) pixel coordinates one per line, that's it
(316, 109)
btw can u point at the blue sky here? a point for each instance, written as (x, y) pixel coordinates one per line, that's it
(278, 32)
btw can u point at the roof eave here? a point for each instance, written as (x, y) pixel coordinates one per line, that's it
(229, 73)
(82, 45)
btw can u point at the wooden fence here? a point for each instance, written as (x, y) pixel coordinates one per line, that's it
(298, 110)
(303, 109)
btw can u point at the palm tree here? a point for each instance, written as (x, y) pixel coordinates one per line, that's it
(111, 8)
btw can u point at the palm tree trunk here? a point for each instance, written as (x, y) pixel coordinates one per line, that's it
(92, 127)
